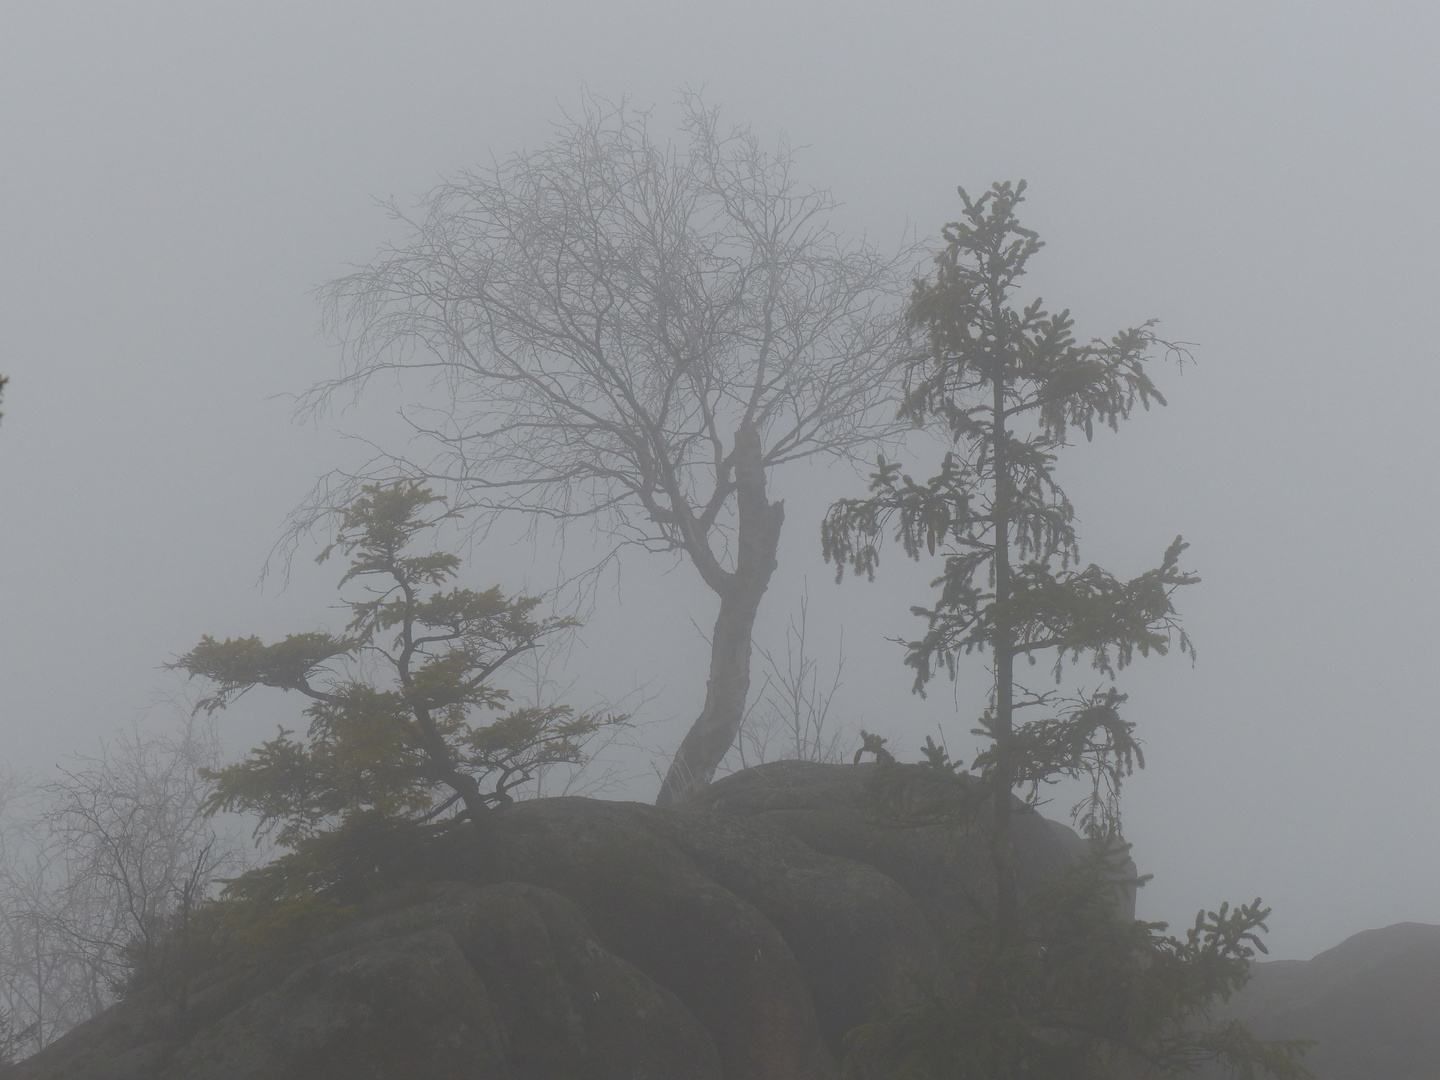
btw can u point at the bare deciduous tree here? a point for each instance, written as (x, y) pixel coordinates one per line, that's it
(99, 873)
(139, 853)
(633, 332)
(45, 988)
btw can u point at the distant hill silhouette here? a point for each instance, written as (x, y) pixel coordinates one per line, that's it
(1372, 1004)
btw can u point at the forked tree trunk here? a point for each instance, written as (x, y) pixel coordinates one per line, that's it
(714, 731)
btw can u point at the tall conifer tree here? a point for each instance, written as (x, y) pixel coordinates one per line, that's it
(1062, 983)
(1008, 385)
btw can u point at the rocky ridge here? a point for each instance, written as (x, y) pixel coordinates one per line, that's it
(738, 938)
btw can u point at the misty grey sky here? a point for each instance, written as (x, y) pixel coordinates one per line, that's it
(176, 177)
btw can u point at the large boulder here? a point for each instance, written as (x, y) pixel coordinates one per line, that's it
(739, 937)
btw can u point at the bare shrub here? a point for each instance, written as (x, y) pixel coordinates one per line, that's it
(790, 717)
(100, 871)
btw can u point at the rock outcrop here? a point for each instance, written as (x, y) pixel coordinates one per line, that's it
(740, 938)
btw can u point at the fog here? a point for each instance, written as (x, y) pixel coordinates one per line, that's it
(177, 178)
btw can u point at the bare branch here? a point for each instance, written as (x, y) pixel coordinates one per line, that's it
(592, 321)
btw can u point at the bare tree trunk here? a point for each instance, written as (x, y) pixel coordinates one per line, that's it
(711, 736)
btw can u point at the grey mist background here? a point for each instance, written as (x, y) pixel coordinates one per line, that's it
(175, 178)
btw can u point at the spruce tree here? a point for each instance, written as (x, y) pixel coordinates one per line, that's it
(406, 719)
(1008, 385)
(1060, 982)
